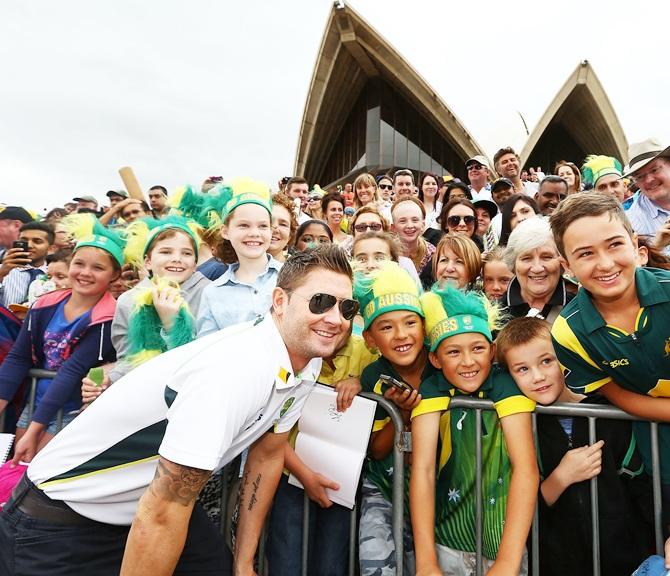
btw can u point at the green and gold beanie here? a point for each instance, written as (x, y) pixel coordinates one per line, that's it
(595, 167)
(385, 290)
(449, 312)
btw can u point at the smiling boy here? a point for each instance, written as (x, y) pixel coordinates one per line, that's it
(614, 336)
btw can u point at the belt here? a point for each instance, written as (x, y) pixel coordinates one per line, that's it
(36, 504)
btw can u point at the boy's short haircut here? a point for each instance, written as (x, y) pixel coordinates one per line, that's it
(520, 331)
(41, 227)
(295, 270)
(413, 199)
(585, 204)
(64, 255)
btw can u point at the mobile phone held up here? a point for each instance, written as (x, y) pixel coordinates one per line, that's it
(391, 381)
(21, 245)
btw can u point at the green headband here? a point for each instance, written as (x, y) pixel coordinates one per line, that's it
(104, 243)
(246, 198)
(388, 303)
(459, 324)
(171, 226)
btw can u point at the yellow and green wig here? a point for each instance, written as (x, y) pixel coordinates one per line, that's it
(595, 167)
(87, 231)
(449, 312)
(385, 290)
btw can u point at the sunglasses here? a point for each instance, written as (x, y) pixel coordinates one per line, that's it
(315, 198)
(320, 303)
(475, 167)
(454, 221)
(386, 186)
(374, 226)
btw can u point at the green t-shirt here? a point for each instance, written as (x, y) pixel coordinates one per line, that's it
(380, 472)
(455, 504)
(594, 353)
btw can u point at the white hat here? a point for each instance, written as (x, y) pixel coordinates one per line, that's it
(641, 153)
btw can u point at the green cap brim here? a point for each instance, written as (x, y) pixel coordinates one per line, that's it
(105, 244)
(460, 324)
(175, 226)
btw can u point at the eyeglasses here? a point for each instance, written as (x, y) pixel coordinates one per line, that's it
(374, 226)
(386, 186)
(454, 221)
(642, 177)
(320, 303)
(475, 167)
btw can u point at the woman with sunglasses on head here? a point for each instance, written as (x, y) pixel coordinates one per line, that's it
(459, 216)
(314, 203)
(428, 194)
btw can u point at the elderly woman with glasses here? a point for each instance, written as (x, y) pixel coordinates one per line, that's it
(538, 288)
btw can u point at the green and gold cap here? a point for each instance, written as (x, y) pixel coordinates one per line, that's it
(385, 290)
(449, 312)
(595, 167)
(105, 239)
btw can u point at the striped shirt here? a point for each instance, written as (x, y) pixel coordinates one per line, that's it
(14, 288)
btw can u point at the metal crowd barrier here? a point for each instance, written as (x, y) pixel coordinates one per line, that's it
(403, 444)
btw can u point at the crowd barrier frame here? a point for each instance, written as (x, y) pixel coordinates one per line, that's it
(402, 444)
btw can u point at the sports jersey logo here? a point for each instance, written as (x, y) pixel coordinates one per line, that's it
(286, 406)
(616, 363)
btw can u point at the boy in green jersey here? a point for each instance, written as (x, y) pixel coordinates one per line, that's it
(444, 512)
(614, 336)
(393, 323)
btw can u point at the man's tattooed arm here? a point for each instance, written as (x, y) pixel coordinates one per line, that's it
(177, 483)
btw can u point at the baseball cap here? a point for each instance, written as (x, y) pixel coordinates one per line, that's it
(85, 199)
(16, 213)
(500, 182)
(478, 160)
(121, 193)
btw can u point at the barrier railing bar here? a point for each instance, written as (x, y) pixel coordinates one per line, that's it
(398, 476)
(478, 488)
(656, 485)
(535, 527)
(595, 520)
(304, 554)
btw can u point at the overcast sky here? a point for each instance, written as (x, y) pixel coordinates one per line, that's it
(184, 90)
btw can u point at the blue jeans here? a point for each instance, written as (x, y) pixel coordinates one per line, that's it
(328, 531)
(35, 547)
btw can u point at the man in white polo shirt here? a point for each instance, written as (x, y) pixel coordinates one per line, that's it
(166, 426)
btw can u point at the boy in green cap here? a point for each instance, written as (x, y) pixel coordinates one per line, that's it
(393, 323)
(443, 515)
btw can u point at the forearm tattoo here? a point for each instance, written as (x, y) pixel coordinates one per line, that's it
(253, 498)
(177, 483)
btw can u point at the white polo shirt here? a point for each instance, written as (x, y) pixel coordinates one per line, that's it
(198, 405)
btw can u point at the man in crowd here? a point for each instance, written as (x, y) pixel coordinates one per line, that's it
(11, 220)
(115, 197)
(649, 168)
(87, 203)
(506, 163)
(479, 175)
(298, 189)
(21, 266)
(552, 190)
(604, 174)
(403, 184)
(180, 422)
(501, 190)
(158, 200)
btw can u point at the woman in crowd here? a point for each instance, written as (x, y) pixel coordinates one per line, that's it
(314, 203)
(459, 216)
(332, 206)
(428, 194)
(365, 191)
(243, 291)
(409, 217)
(68, 331)
(457, 262)
(457, 189)
(516, 209)
(538, 288)
(570, 173)
(312, 233)
(284, 224)
(495, 274)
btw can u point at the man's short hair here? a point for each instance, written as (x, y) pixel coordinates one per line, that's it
(520, 331)
(163, 189)
(553, 179)
(295, 270)
(582, 205)
(500, 153)
(42, 227)
(294, 180)
(403, 172)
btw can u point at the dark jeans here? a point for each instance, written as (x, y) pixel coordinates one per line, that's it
(33, 547)
(328, 531)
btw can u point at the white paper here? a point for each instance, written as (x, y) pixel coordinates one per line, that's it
(6, 441)
(334, 443)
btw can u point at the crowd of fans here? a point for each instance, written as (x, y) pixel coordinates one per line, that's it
(521, 286)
